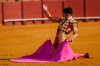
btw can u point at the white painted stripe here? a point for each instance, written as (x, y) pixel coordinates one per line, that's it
(7, 20)
(86, 17)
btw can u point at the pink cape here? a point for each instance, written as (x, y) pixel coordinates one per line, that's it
(47, 53)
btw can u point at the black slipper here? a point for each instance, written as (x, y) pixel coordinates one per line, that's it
(87, 55)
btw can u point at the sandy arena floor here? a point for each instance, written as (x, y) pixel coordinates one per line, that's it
(16, 41)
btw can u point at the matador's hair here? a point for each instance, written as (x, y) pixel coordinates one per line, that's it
(68, 10)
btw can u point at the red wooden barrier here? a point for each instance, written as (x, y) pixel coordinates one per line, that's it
(32, 9)
(54, 7)
(3, 0)
(12, 10)
(92, 8)
(0, 12)
(26, 0)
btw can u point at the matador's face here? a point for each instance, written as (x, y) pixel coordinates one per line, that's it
(67, 15)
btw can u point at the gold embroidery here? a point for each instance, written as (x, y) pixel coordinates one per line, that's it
(75, 31)
(73, 21)
(63, 25)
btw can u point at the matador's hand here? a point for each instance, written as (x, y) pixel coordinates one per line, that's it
(68, 39)
(45, 7)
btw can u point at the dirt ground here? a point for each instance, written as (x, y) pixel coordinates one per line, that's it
(16, 41)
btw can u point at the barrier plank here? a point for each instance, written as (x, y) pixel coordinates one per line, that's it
(3, 0)
(27, 0)
(1, 13)
(92, 9)
(32, 9)
(12, 10)
(11, 0)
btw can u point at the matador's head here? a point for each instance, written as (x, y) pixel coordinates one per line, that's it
(67, 12)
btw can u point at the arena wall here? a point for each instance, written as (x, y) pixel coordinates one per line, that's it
(92, 8)
(1, 17)
(32, 10)
(18, 9)
(12, 10)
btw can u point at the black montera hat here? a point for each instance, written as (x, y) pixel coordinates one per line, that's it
(68, 10)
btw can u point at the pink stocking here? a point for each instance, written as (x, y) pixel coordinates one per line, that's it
(80, 55)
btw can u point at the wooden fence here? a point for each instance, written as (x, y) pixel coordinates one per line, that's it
(22, 9)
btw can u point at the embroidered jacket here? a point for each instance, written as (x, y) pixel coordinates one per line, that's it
(67, 25)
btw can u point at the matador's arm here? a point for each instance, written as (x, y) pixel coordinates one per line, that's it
(54, 19)
(75, 31)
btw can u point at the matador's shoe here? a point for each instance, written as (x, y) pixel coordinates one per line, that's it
(87, 55)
